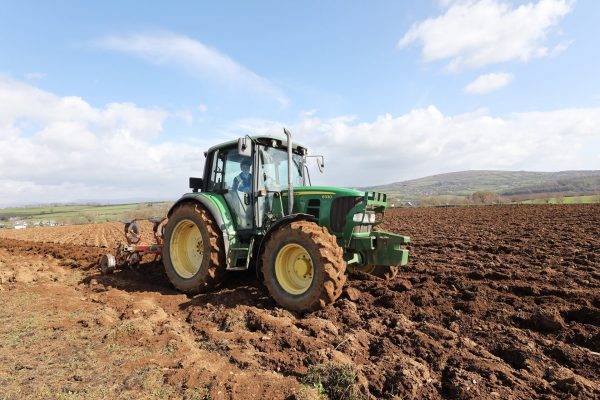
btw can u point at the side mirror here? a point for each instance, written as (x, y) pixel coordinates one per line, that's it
(320, 162)
(245, 147)
(195, 184)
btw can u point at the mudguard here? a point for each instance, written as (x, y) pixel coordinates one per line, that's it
(223, 222)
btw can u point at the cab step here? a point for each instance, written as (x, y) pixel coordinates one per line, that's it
(238, 258)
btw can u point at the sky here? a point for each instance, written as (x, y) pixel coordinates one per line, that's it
(119, 100)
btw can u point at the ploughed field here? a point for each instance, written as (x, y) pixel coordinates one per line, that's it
(97, 235)
(496, 302)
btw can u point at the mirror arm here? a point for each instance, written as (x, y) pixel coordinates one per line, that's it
(307, 174)
(320, 162)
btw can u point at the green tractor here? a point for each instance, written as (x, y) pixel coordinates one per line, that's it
(255, 207)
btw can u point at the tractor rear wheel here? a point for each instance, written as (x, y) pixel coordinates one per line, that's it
(193, 251)
(303, 267)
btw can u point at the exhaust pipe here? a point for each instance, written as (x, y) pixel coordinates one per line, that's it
(290, 185)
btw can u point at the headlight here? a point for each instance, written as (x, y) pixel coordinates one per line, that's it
(367, 217)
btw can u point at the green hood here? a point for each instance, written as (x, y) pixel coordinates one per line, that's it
(323, 191)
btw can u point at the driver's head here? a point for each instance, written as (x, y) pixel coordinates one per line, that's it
(245, 166)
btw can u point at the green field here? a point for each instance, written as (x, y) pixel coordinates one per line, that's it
(92, 213)
(442, 200)
(87, 213)
(515, 186)
(565, 200)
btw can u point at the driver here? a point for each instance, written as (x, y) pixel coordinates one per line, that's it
(243, 182)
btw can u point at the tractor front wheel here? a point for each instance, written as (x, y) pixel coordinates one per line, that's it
(303, 267)
(193, 251)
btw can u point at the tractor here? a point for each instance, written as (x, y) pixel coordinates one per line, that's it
(255, 207)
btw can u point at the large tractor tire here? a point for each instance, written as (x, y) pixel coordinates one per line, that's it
(193, 251)
(303, 267)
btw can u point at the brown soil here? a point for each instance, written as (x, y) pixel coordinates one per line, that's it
(104, 235)
(496, 302)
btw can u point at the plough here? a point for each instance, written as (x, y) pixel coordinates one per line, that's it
(130, 253)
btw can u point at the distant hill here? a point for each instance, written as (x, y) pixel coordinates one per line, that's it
(512, 184)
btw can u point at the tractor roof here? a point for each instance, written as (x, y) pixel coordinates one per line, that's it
(281, 139)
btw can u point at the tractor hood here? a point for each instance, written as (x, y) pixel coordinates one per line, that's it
(331, 193)
(336, 207)
(327, 191)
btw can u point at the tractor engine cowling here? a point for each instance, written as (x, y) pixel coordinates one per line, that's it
(351, 216)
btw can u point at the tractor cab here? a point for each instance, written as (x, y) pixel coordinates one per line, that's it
(251, 181)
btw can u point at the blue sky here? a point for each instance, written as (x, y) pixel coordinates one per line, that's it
(113, 99)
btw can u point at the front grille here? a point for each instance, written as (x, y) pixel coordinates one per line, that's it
(314, 207)
(377, 196)
(339, 210)
(362, 229)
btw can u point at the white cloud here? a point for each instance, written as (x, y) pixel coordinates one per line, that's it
(488, 83)
(203, 108)
(193, 56)
(446, 3)
(56, 148)
(425, 141)
(23, 103)
(309, 113)
(186, 115)
(475, 33)
(559, 48)
(34, 76)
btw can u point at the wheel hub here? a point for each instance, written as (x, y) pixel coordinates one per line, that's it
(302, 267)
(294, 269)
(187, 249)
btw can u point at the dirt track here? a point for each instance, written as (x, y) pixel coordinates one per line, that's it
(497, 302)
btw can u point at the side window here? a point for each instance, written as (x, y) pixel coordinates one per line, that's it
(230, 171)
(238, 172)
(237, 179)
(216, 175)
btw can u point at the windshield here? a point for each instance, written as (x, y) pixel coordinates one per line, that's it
(274, 169)
(272, 177)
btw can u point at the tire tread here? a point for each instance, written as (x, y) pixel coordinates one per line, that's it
(215, 272)
(330, 258)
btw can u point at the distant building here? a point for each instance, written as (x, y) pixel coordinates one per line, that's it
(20, 225)
(47, 223)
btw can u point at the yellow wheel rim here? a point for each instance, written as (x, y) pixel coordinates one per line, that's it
(294, 269)
(362, 268)
(186, 249)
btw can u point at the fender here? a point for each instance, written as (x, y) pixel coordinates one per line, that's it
(288, 219)
(212, 209)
